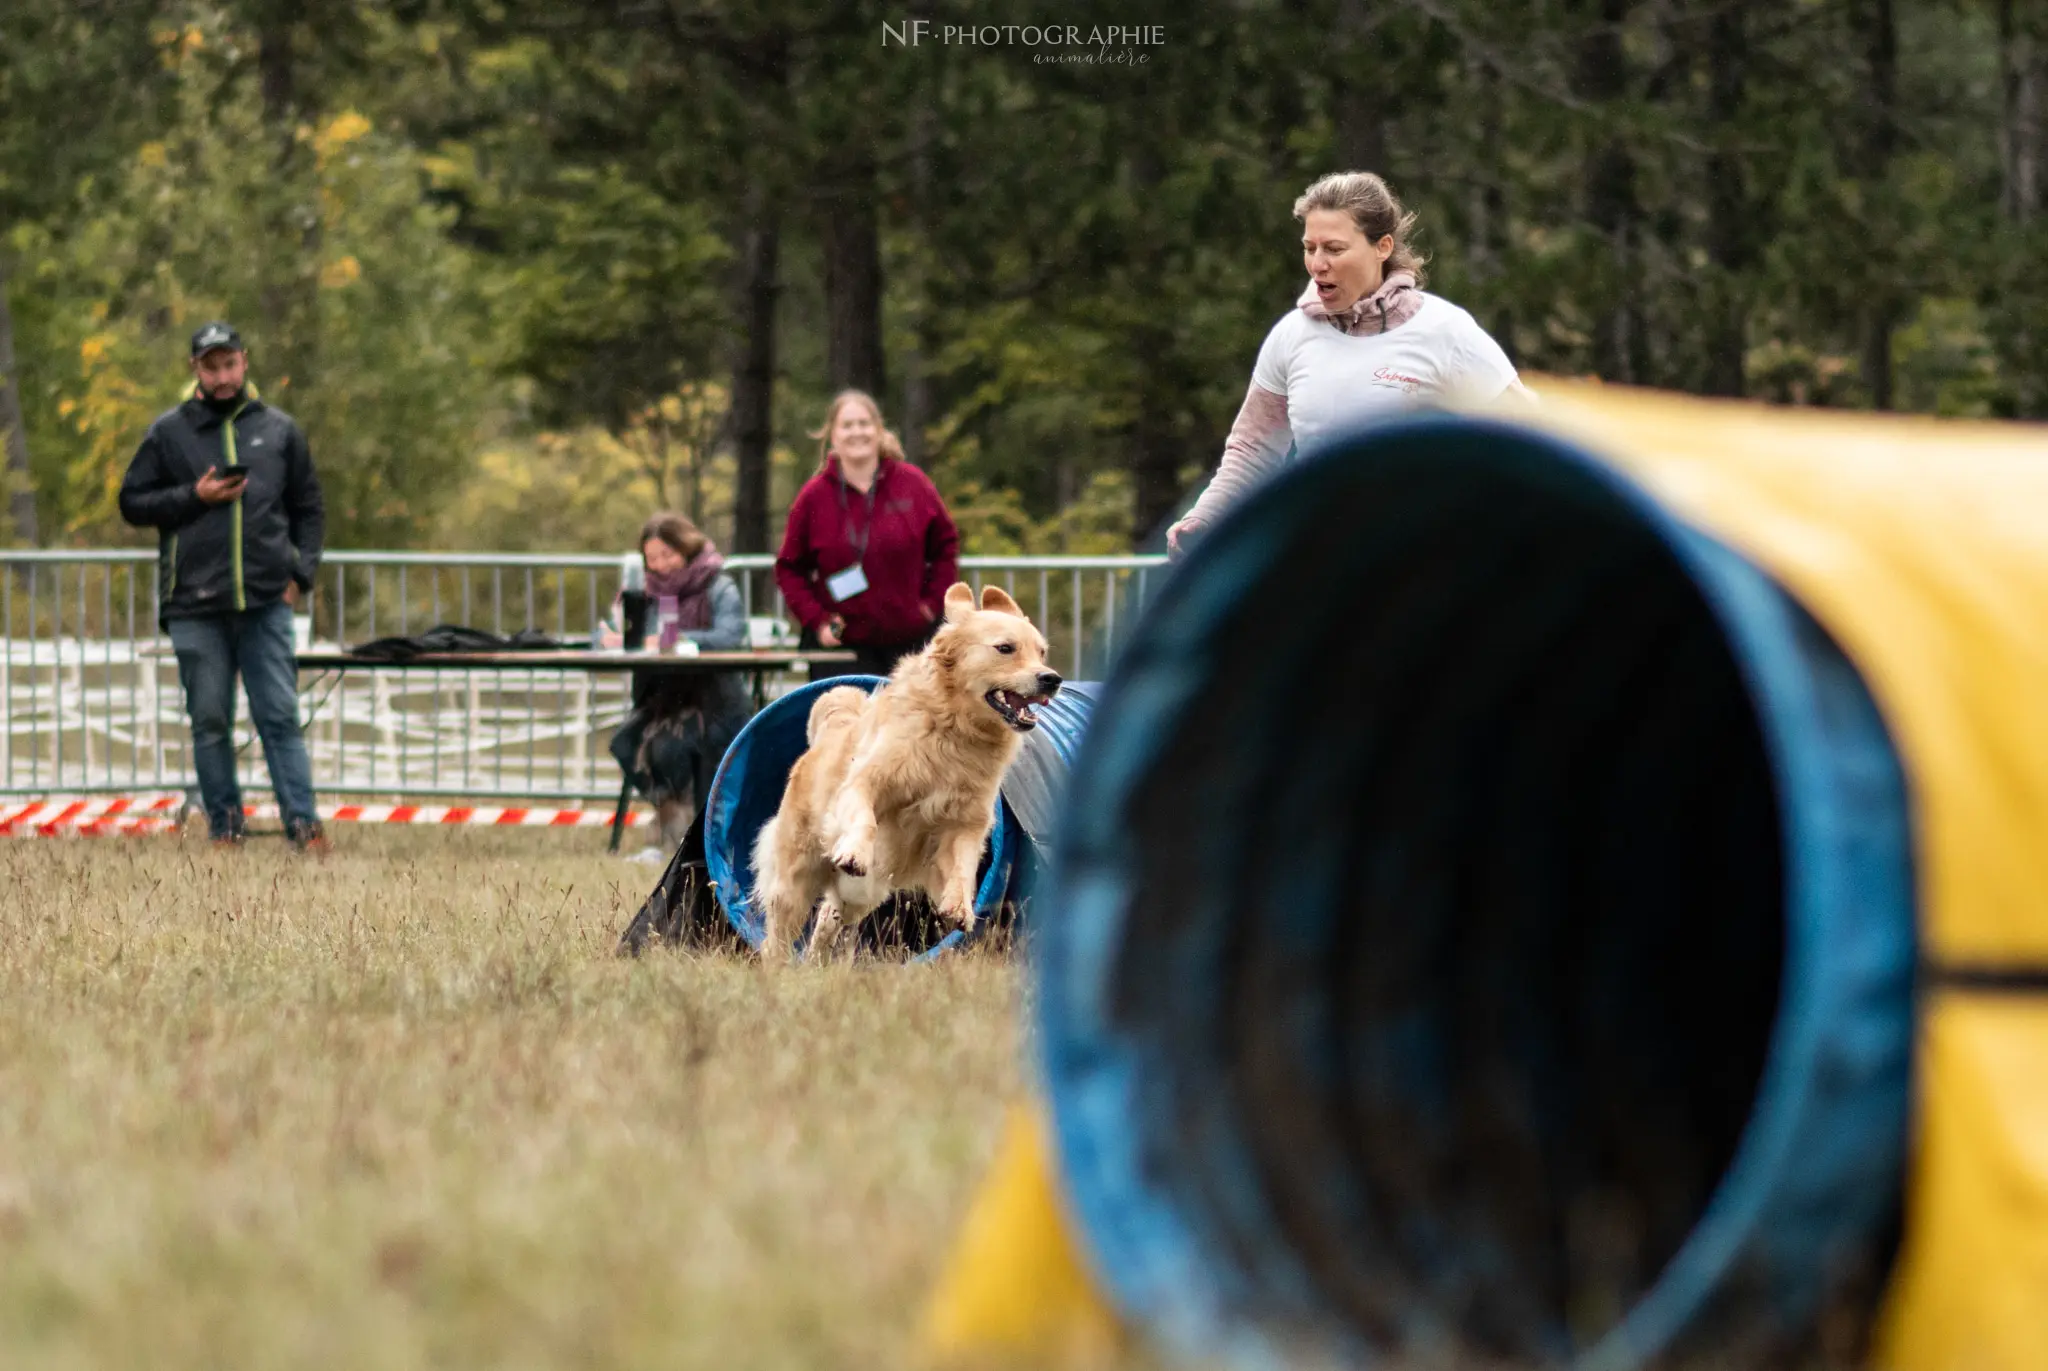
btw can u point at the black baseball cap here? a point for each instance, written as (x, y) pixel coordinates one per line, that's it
(215, 335)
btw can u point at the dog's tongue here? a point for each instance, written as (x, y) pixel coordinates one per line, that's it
(1019, 706)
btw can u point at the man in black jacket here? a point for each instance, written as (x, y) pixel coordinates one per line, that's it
(228, 484)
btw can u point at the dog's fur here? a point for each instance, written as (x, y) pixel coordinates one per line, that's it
(897, 789)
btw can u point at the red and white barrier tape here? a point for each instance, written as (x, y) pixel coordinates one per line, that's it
(90, 815)
(94, 815)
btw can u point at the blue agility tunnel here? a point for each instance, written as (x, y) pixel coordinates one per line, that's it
(1483, 927)
(1035, 787)
(748, 789)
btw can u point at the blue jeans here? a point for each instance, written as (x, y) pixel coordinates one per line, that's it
(258, 644)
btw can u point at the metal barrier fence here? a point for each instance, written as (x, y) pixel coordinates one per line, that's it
(90, 702)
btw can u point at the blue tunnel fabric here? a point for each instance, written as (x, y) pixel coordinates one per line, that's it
(1483, 923)
(748, 790)
(1035, 787)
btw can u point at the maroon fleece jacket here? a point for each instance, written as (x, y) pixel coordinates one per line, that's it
(913, 554)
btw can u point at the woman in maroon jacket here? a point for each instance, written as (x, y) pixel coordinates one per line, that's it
(870, 549)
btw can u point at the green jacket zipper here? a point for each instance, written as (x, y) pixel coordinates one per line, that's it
(227, 431)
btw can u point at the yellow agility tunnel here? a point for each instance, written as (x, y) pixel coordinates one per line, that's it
(1567, 888)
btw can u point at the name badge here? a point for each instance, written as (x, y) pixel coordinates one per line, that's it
(847, 584)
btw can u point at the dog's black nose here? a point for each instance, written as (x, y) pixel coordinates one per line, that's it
(1048, 683)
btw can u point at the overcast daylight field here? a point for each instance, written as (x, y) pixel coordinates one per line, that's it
(403, 1107)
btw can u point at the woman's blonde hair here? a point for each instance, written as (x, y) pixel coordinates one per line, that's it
(1372, 205)
(891, 446)
(675, 530)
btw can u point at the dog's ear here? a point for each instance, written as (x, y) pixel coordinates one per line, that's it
(993, 598)
(959, 601)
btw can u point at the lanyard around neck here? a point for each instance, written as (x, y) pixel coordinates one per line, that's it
(860, 544)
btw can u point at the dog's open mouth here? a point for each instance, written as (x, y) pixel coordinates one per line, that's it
(1017, 710)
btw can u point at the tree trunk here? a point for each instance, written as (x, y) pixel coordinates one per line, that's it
(2023, 131)
(1361, 113)
(853, 277)
(918, 400)
(277, 75)
(693, 478)
(21, 498)
(1731, 242)
(765, 79)
(753, 375)
(291, 278)
(1156, 449)
(1489, 211)
(1877, 37)
(658, 440)
(1610, 199)
(1880, 318)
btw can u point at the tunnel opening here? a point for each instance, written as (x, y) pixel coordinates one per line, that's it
(745, 795)
(1439, 926)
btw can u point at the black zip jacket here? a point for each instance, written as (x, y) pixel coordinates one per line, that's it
(214, 559)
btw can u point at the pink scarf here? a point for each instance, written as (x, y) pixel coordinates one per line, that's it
(1389, 307)
(691, 585)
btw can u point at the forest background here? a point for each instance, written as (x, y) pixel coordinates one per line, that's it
(526, 271)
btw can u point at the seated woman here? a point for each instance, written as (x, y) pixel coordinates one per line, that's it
(681, 724)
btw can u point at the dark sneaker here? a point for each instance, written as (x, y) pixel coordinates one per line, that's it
(234, 837)
(306, 835)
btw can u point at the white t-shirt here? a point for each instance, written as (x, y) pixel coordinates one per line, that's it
(1333, 379)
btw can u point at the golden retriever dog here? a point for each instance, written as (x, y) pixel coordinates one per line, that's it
(897, 789)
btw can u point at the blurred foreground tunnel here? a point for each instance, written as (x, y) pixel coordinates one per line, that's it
(1487, 926)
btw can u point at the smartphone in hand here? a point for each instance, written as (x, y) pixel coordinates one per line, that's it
(217, 487)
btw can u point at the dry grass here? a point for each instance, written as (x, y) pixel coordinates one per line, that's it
(403, 1108)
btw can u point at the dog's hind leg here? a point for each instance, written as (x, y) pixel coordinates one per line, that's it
(824, 943)
(787, 882)
(785, 897)
(784, 910)
(772, 895)
(853, 912)
(779, 915)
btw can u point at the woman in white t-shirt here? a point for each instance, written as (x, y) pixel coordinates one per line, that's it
(1364, 339)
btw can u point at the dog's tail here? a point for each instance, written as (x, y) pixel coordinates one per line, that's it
(764, 849)
(834, 707)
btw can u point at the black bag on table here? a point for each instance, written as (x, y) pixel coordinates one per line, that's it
(454, 638)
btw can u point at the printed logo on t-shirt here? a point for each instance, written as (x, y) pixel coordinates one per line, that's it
(1387, 376)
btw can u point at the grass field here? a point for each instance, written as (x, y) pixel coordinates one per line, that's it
(404, 1108)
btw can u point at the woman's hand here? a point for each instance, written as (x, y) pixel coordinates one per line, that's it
(1180, 537)
(607, 635)
(829, 631)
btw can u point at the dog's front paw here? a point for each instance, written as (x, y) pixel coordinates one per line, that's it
(849, 858)
(959, 913)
